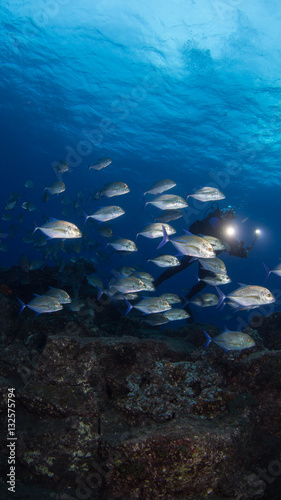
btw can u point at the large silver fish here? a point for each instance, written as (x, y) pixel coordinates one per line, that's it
(42, 304)
(231, 341)
(208, 194)
(60, 229)
(249, 296)
(190, 244)
(168, 202)
(161, 186)
(106, 213)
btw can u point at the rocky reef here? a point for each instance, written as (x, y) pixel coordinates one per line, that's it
(107, 408)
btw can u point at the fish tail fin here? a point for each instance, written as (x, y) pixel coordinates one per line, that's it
(129, 307)
(209, 339)
(185, 302)
(197, 278)
(22, 305)
(86, 217)
(221, 297)
(100, 293)
(268, 271)
(165, 238)
(145, 202)
(36, 227)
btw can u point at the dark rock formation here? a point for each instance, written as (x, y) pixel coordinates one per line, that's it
(108, 410)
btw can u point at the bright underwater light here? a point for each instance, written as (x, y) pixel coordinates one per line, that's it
(257, 232)
(230, 231)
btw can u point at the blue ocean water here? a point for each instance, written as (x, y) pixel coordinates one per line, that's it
(185, 90)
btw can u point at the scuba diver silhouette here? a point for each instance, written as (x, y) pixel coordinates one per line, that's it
(217, 223)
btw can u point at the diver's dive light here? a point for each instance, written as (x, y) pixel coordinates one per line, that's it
(230, 231)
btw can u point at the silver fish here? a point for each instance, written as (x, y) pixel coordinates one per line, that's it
(123, 272)
(249, 296)
(205, 300)
(216, 279)
(155, 230)
(106, 213)
(36, 264)
(176, 314)
(168, 215)
(190, 244)
(155, 319)
(129, 285)
(165, 261)
(61, 167)
(149, 287)
(161, 186)
(208, 194)
(114, 189)
(60, 229)
(122, 244)
(42, 304)
(58, 294)
(231, 341)
(100, 164)
(143, 275)
(215, 242)
(168, 201)
(56, 188)
(172, 298)
(150, 306)
(105, 231)
(215, 265)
